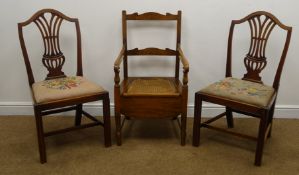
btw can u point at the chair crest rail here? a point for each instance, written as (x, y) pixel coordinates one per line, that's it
(151, 16)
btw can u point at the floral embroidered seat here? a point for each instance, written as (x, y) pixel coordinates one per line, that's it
(61, 93)
(242, 91)
(63, 88)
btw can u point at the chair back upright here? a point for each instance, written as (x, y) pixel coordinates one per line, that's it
(49, 22)
(151, 16)
(261, 25)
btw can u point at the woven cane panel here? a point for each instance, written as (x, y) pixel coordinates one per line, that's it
(152, 86)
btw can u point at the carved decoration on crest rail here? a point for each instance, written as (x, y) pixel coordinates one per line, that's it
(255, 60)
(151, 16)
(53, 58)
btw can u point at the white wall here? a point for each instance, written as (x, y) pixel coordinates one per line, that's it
(205, 26)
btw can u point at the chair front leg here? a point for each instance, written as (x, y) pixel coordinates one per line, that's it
(78, 115)
(197, 119)
(107, 123)
(40, 135)
(118, 127)
(183, 127)
(117, 115)
(184, 111)
(261, 138)
(229, 118)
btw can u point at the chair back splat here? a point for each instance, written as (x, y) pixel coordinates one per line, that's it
(49, 22)
(261, 25)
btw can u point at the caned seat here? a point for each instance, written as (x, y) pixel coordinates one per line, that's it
(242, 91)
(151, 97)
(150, 86)
(64, 88)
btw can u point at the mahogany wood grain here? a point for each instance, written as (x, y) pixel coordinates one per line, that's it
(153, 105)
(53, 59)
(261, 25)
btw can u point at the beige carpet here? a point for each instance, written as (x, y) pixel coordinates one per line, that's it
(149, 147)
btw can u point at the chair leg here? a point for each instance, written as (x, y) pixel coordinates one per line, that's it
(183, 128)
(40, 136)
(78, 115)
(118, 128)
(117, 114)
(197, 120)
(107, 123)
(229, 118)
(261, 139)
(270, 120)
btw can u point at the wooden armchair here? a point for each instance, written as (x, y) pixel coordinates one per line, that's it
(248, 95)
(59, 93)
(151, 97)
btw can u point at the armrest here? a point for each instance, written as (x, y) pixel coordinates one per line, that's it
(116, 66)
(119, 57)
(185, 65)
(183, 59)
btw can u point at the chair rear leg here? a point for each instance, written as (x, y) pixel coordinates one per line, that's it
(270, 120)
(229, 118)
(78, 115)
(197, 120)
(261, 139)
(40, 136)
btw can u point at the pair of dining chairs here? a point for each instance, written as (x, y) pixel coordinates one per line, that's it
(153, 97)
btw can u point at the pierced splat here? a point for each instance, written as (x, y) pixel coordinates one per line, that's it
(255, 61)
(53, 58)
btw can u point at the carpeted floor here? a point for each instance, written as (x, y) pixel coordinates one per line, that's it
(149, 147)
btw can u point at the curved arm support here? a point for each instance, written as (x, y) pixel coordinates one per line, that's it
(185, 63)
(117, 66)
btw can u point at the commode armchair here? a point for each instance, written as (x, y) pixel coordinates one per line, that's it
(151, 97)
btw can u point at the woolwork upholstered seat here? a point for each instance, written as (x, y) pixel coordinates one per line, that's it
(248, 95)
(64, 88)
(234, 89)
(59, 92)
(151, 97)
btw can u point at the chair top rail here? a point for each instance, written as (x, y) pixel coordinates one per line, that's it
(152, 16)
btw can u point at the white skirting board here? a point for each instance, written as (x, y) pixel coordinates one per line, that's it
(209, 110)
